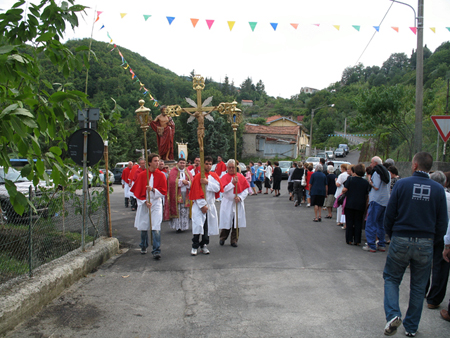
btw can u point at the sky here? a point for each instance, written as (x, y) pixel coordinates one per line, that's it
(285, 59)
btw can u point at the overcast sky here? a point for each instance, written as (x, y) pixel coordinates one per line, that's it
(286, 59)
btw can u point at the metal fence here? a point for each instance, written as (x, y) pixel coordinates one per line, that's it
(50, 230)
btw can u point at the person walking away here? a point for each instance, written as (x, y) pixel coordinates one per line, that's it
(268, 178)
(260, 173)
(296, 177)
(204, 213)
(125, 186)
(309, 173)
(357, 194)
(156, 186)
(276, 177)
(331, 190)
(253, 172)
(290, 183)
(233, 183)
(416, 215)
(318, 191)
(380, 182)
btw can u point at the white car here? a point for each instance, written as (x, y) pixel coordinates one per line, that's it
(329, 154)
(314, 160)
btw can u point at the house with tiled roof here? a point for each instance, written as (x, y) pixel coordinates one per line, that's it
(248, 103)
(271, 140)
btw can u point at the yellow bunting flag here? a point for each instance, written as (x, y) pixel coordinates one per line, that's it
(433, 29)
(231, 24)
(122, 15)
(337, 26)
(295, 25)
(395, 29)
(194, 22)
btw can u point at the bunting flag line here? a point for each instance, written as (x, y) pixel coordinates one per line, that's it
(110, 38)
(122, 15)
(395, 29)
(433, 29)
(146, 17)
(253, 25)
(170, 19)
(98, 16)
(231, 25)
(274, 26)
(133, 74)
(414, 30)
(356, 27)
(316, 24)
(337, 26)
(295, 25)
(102, 27)
(377, 28)
(194, 22)
(209, 23)
(448, 28)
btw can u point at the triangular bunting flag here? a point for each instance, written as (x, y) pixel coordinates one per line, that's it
(146, 17)
(122, 15)
(253, 25)
(231, 24)
(337, 26)
(377, 28)
(395, 29)
(448, 28)
(98, 16)
(316, 24)
(295, 25)
(103, 26)
(99, 12)
(170, 19)
(209, 23)
(433, 29)
(194, 22)
(274, 25)
(413, 29)
(356, 27)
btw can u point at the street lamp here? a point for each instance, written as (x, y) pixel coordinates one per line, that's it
(419, 74)
(311, 128)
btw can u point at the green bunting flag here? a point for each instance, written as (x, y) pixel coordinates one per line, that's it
(253, 25)
(356, 27)
(448, 28)
(146, 17)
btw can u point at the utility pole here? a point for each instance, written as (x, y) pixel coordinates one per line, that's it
(419, 81)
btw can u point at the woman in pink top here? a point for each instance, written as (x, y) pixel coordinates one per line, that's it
(248, 176)
(308, 176)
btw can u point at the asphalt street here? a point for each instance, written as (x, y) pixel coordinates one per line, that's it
(289, 277)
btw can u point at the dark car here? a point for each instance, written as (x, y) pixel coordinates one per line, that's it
(117, 175)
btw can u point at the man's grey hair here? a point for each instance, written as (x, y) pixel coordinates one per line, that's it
(390, 161)
(330, 169)
(377, 160)
(439, 177)
(231, 161)
(319, 167)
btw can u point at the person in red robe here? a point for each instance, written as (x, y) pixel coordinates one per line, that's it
(176, 208)
(164, 127)
(156, 188)
(131, 179)
(126, 187)
(195, 168)
(221, 167)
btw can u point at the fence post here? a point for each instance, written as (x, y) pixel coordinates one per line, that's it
(30, 236)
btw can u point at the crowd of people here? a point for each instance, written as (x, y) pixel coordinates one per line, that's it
(408, 214)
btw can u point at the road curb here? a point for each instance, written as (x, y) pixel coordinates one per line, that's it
(21, 299)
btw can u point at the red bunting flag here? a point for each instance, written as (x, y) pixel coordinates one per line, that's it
(209, 23)
(316, 24)
(414, 29)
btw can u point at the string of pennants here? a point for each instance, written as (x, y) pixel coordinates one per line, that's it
(342, 135)
(126, 65)
(274, 25)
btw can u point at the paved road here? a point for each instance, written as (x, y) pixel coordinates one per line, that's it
(289, 277)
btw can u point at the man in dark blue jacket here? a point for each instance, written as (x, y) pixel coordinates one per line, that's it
(416, 214)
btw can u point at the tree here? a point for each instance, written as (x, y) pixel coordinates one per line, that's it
(33, 114)
(391, 107)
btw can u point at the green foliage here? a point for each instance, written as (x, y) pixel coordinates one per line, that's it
(33, 114)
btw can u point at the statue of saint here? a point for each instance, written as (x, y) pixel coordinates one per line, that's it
(164, 127)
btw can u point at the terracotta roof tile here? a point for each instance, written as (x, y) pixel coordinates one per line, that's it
(273, 118)
(255, 129)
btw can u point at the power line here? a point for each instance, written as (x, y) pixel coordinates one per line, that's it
(374, 33)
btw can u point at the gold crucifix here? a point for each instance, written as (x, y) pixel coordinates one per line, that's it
(199, 112)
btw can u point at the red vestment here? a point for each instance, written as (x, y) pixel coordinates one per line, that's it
(125, 174)
(241, 185)
(196, 169)
(174, 194)
(132, 172)
(164, 138)
(196, 188)
(220, 168)
(139, 188)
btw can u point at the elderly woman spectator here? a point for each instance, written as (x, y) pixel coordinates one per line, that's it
(339, 186)
(331, 190)
(318, 191)
(440, 268)
(276, 178)
(357, 190)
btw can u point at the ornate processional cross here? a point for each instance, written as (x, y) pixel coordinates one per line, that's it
(199, 112)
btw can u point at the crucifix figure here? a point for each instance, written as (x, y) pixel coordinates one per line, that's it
(200, 111)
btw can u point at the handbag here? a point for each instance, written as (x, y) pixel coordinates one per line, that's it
(341, 198)
(303, 183)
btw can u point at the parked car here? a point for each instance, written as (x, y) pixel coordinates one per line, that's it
(76, 175)
(243, 168)
(22, 185)
(285, 166)
(339, 152)
(322, 155)
(314, 160)
(337, 166)
(121, 164)
(118, 175)
(345, 147)
(101, 176)
(329, 154)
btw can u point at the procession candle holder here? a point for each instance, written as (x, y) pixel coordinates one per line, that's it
(234, 116)
(144, 118)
